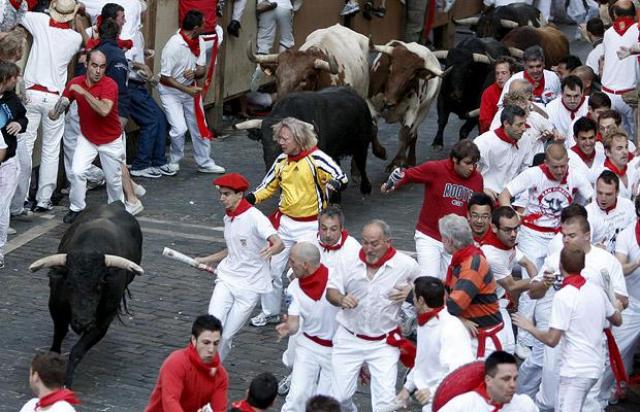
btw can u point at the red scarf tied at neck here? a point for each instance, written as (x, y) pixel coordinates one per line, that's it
(609, 165)
(242, 406)
(58, 25)
(315, 284)
(547, 172)
(427, 316)
(573, 112)
(585, 157)
(338, 245)
(242, 207)
(194, 44)
(502, 135)
(574, 279)
(491, 239)
(538, 86)
(391, 252)
(57, 396)
(622, 24)
(302, 154)
(482, 391)
(93, 43)
(459, 257)
(208, 369)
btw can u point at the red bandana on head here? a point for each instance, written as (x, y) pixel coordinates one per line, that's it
(502, 135)
(207, 369)
(242, 406)
(57, 396)
(585, 158)
(338, 245)
(491, 239)
(427, 316)
(459, 257)
(315, 284)
(547, 172)
(538, 86)
(391, 252)
(242, 207)
(194, 44)
(482, 391)
(573, 112)
(302, 154)
(614, 168)
(574, 279)
(622, 24)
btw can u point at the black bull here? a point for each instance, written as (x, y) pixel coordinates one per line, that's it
(342, 121)
(97, 258)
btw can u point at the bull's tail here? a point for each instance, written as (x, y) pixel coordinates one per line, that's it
(123, 309)
(378, 150)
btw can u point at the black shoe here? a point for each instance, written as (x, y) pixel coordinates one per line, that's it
(70, 217)
(234, 28)
(40, 209)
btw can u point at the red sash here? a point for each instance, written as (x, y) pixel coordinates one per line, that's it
(201, 120)
(491, 333)
(407, 348)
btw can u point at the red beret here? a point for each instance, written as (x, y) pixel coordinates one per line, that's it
(234, 181)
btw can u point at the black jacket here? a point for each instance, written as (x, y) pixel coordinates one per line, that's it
(11, 110)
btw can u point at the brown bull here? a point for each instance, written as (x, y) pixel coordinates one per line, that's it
(554, 43)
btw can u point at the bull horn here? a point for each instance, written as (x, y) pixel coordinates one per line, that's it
(516, 52)
(481, 58)
(473, 113)
(260, 58)
(441, 54)
(122, 263)
(248, 124)
(383, 49)
(469, 21)
(330, 66)
(59, 259)
(508, 24)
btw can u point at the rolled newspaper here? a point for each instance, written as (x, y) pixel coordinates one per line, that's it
(181, 257)
(608, 287)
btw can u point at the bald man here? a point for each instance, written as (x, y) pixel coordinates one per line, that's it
(587, 75)
(312, 367)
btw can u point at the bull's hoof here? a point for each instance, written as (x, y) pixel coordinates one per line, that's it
(437, 146)
(365, 187)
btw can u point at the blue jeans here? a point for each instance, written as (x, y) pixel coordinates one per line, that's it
(153, 128)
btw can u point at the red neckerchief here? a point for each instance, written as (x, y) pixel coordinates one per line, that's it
(57, 396)
(547, 172)
(599, 137)
(574, 279)
(391, 252)
(585, 157)
(614, 169)
(610, 208)
(491, 239)
(302, 154)
(208, 369)
(482, 391)
(194, 44)
(478, 239)
(315, 284)
(242, 207)
(459, 257)
(92, 43)
(502, 135)
(58, 25)
(242, 406)
(630, 156)
(638, 232)
(538, 86)
(427, 316)
(338, 245)
(16, 4)
(573, 112)
(622, 24)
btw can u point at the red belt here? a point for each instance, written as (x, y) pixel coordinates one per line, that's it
(369, 338)
(542, 229)
(618, 92)
(491, 333)
(322, 342)
(41, 88)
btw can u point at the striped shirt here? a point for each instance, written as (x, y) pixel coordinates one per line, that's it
(473, 292)
(303, 183)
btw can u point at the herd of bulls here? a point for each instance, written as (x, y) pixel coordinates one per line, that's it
(100, 253)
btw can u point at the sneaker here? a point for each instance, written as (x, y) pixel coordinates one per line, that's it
(70, 217)
(263, 320)
(139, 190)
(25, 215)
(169, 169)
(265, 5)
(150, 172)
(284, 385)
(351, 7)
(522, 351)
(43, 207)
(214, 168)
(134, 208)
(94, 184)
(11, 231)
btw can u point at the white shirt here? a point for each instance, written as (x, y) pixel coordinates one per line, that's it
(473, 402)
(547, 197)
(245, 236)
(614, 221)
(375, 314)
(628, 190)
(577, 165)
(60, 406)
(619, 74)
(50, 53)
(347, 254)
(627, 245)
(176, 58)
(551, 89)
(582, 315)
(501, 262)
(318, 317)
(501, 161)
(443, 345)
(562, 118)
(593, 58)
(93, 8)
(3, 144)
(538, 125)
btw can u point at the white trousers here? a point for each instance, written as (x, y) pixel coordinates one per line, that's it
(311, 374)
(111, 157)
(432, 258)
(581, 14)
(506, 336)
(290, 231)
(9, 172)
(70, 141)
(626, 111)
(572, 393)
(238, 9)
(38, 106)
(179, 108)
(349, 354)
(233, 307)
(280, 20)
